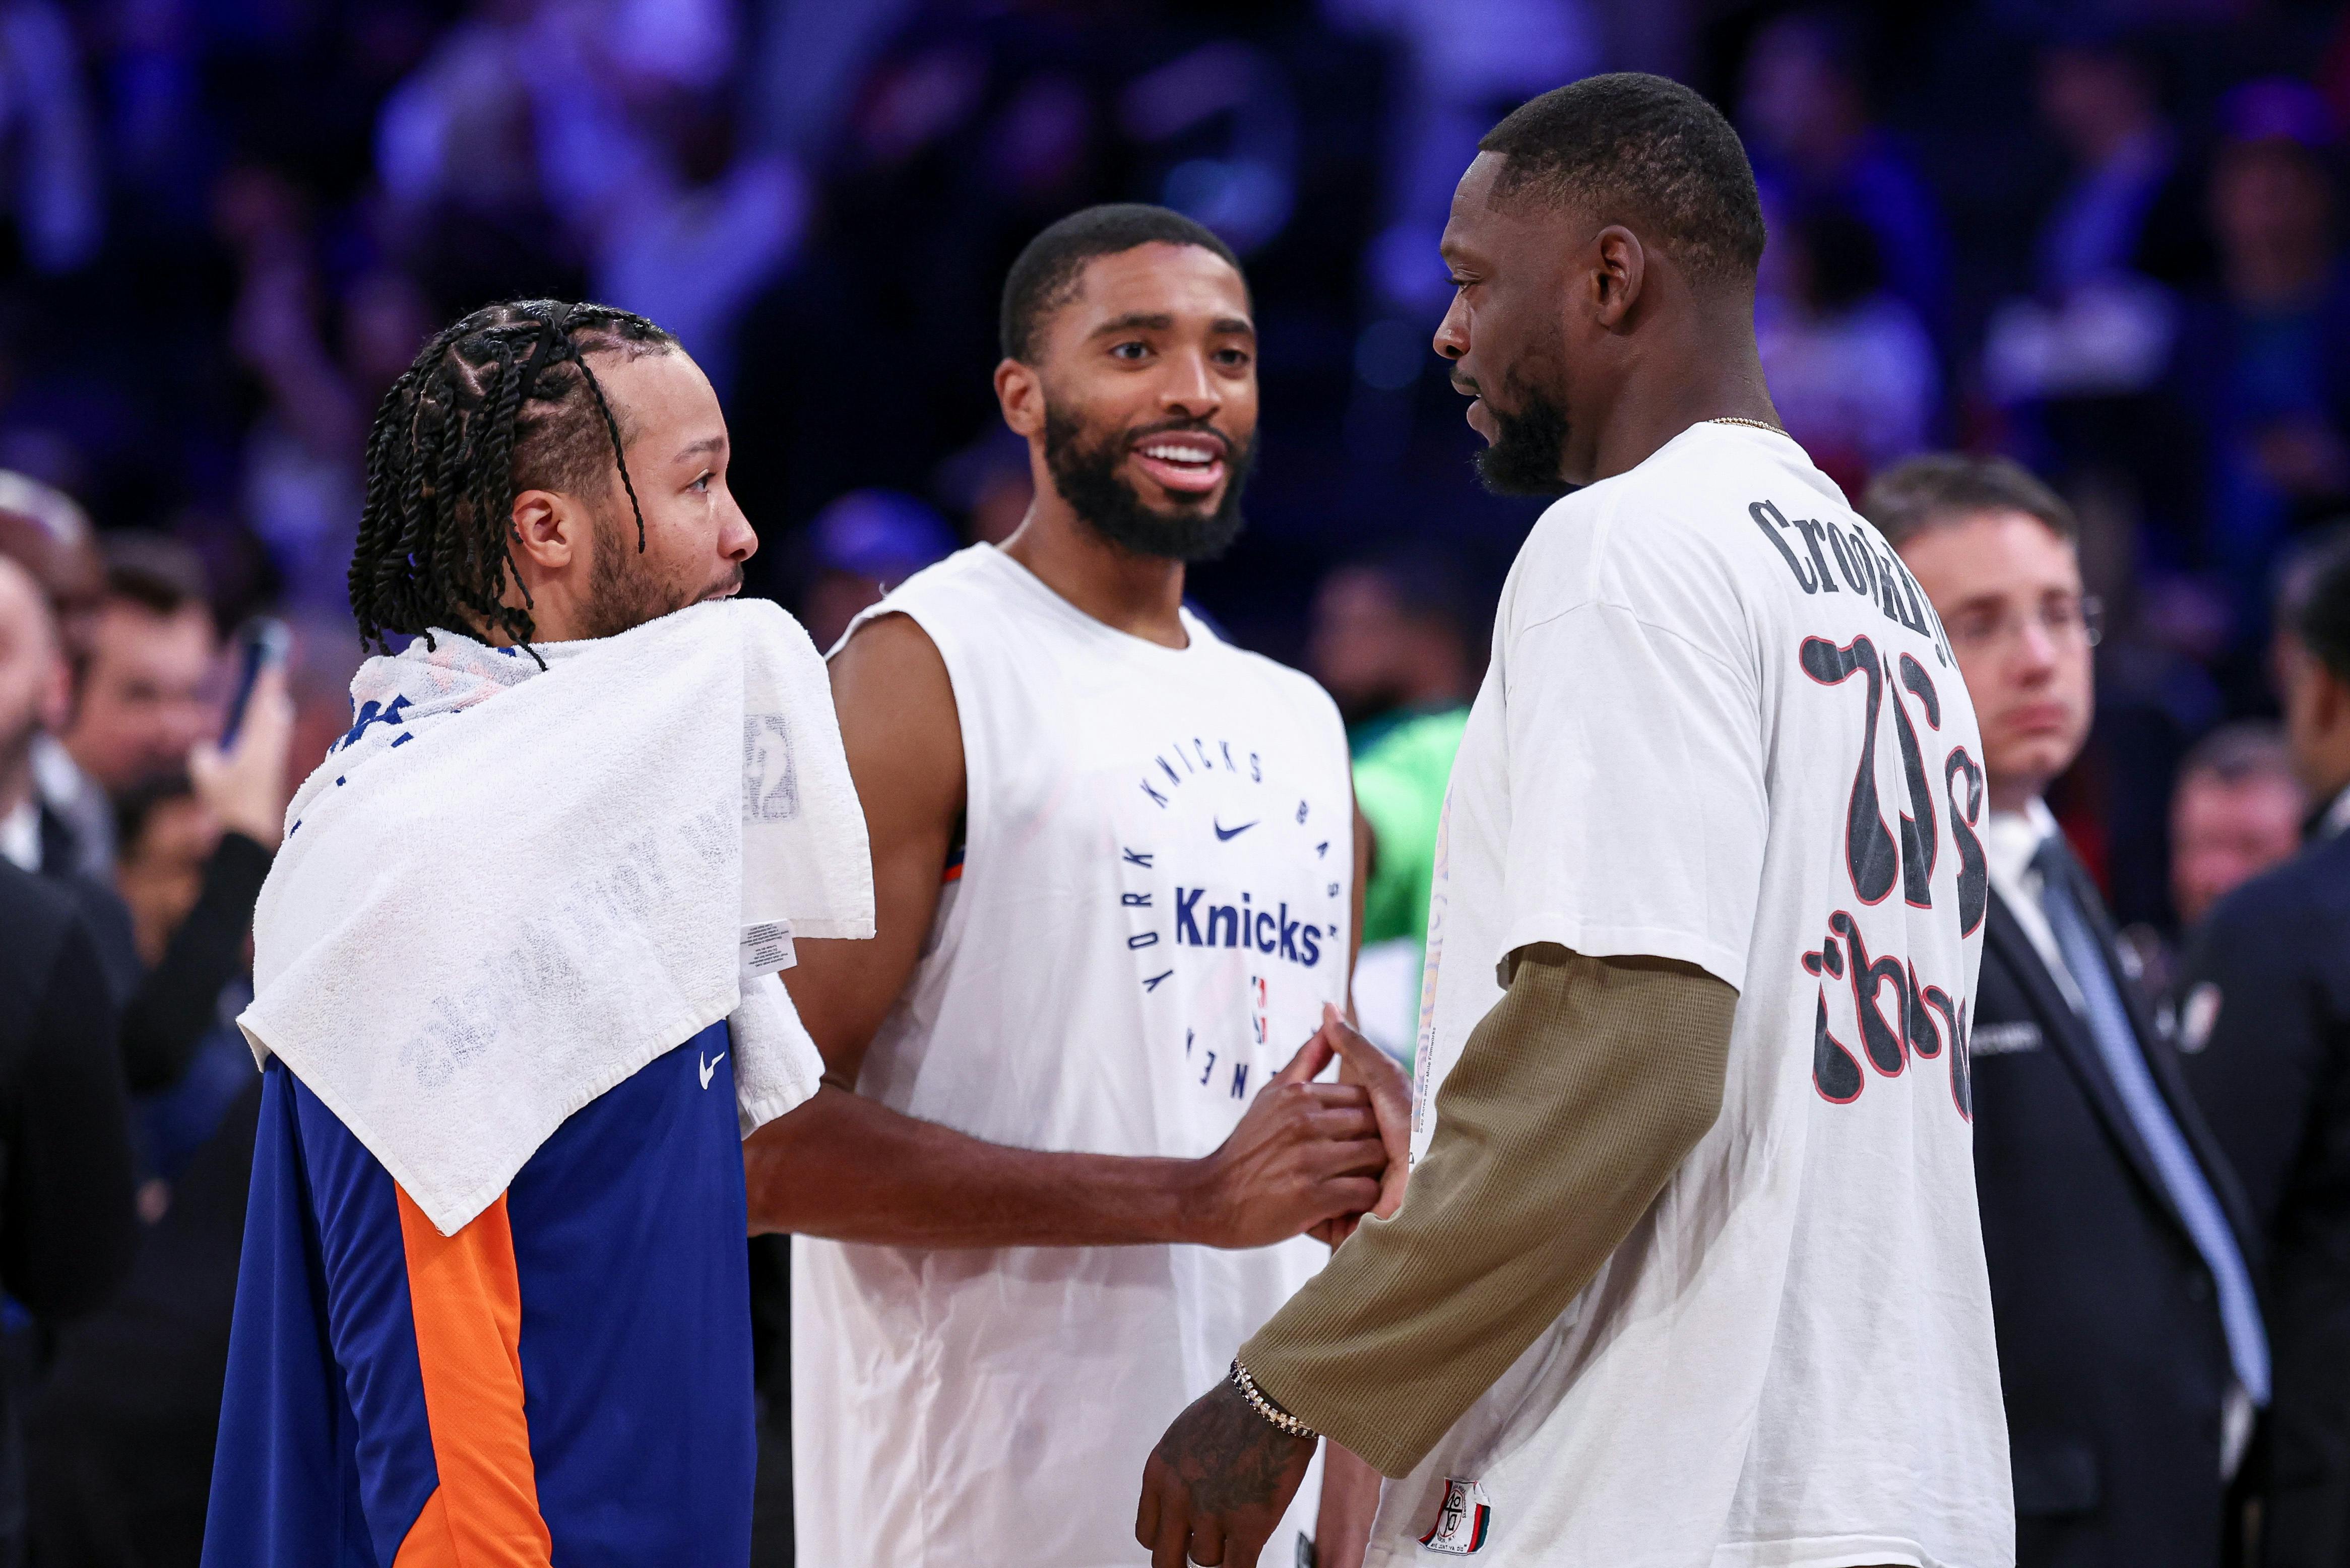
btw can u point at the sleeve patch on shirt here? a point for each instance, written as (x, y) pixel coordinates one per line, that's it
(1460, 1524)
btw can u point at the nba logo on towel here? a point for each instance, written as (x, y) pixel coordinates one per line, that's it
(771, 785)
(1460, 1527)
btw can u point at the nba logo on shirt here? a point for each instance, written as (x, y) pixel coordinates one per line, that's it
(1261, 1003)
(1460, 1527)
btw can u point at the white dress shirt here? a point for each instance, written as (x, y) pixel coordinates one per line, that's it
(2015, 839)
(20, 835)
(2338, 816)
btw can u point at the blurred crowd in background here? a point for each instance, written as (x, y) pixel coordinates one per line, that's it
(2100, 236)
(2103, 237)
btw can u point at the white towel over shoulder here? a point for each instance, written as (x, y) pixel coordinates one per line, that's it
(506, 891)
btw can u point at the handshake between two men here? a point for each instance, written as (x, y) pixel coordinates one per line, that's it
(1310, 1157)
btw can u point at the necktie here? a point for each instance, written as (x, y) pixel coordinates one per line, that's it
(2182, 1177)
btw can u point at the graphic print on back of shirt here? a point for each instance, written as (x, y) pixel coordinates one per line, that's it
(1885, 1009)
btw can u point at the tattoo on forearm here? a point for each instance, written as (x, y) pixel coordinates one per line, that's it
(1228, 1456)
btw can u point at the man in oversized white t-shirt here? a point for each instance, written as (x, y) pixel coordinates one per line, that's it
(1689, 1271)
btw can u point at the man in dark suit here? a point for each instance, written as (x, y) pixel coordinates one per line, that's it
(67, 1228)
(2265, 1020)
(2132, 1353)
(120, 1437)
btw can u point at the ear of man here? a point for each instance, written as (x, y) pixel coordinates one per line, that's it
(551, 531)
(1617, 276)
(1020, 392)
(553, 545)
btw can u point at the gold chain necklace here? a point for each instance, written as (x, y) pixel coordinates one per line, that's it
(1734, 419)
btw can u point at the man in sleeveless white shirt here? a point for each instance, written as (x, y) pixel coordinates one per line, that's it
(1688, 1272)
(1065, 1162)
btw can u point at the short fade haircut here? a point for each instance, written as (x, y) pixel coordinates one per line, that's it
(1642, 150)
(2324, 621)
(1044, 277)
(1940, 488)
(2247, 749)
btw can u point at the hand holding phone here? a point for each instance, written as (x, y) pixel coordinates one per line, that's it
(243, 779)
(263, 644)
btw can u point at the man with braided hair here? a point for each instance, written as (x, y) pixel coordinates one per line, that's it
(516, 994)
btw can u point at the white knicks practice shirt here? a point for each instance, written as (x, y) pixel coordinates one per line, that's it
(1722, 725)
(1152, 906)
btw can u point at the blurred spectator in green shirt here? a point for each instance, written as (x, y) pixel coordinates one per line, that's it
(1395, 643)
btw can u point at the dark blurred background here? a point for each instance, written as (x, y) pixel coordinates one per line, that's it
(2102, 236)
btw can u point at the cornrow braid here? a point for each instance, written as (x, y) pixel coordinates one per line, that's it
(499, 402)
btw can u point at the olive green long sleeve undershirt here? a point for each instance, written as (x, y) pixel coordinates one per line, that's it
(1573, 1102)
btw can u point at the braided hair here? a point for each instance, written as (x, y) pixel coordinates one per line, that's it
(501, 402)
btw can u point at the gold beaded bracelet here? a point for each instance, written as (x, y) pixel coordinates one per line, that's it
(1264, 1406)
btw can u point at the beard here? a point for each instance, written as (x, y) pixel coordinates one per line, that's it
(1087, 475)
(622, 593)
(1526, 456)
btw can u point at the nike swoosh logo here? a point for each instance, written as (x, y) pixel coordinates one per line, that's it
(1223, 832)
(709, 1066)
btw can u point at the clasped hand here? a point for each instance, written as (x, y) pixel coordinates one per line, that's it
(1308, 1158)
